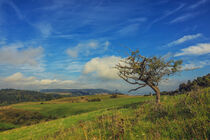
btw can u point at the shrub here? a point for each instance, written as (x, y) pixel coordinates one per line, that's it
(113, 96)
(94, 100)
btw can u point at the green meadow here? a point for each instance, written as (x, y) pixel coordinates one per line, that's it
(77, 105)
(184, 116)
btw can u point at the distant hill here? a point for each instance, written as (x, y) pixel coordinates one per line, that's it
(11, 96)
(78, 92)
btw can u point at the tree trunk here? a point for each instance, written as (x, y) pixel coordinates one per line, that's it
(157, 91)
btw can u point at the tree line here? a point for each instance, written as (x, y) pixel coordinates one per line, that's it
(12, 96)
(199, 82)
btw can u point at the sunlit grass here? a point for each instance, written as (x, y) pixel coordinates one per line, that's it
(64, 107)
(178, 117)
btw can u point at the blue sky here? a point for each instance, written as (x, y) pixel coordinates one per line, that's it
(76, 43)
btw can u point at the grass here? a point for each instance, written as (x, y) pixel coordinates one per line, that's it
(7, 126)
(177, 117)
(28, 113)
(42, 129)
(64, 107)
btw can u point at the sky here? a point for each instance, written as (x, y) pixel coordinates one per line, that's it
(76, 43)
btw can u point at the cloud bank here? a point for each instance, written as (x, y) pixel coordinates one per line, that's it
(199, 49)
(18, 80)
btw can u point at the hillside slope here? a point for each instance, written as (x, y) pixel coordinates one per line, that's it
(29, 113)
(178, 117)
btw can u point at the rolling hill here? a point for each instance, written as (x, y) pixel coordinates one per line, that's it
(78, 92)
(184, 116)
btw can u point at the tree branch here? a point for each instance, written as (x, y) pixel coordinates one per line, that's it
(137, 88)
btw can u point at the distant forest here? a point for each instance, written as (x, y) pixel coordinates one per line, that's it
(11, 96)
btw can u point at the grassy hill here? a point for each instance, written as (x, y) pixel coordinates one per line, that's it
(183, 116)
(28, 113)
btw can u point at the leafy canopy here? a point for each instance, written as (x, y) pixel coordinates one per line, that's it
(143, 71)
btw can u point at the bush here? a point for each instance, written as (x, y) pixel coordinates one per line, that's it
(113, 96)
(20, 117)
(94, 100)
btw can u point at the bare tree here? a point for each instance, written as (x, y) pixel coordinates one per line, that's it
(146, 71)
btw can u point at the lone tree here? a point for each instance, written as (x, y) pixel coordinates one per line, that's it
(146, 71)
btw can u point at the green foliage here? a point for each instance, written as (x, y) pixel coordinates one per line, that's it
(11, 118)
(200, 82)
(19, 117)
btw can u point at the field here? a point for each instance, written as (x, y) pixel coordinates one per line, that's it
(183, 116)
(28, 113)
(75, 105)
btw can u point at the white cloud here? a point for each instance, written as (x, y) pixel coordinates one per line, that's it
(18, 77)
(195, 65)
(191, 67)
(14, 55)
(129, 29)
(87, 48)
(102, 67)
(199, 49)
(106, 44)
(73, 52)
(184, 39)
(44, 28)
(184, 17)
(18, 80)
